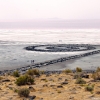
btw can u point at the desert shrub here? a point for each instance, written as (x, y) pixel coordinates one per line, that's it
(15, 90)
(16, 74)
(78, 69)
(11, 88)
(66, 71)
(77, 75)
(98, 69)
(33, 72)
(46, 80)
(80, 81)
(23, 92)
(89, 88)
(82, 85)
(42, 72)
(96, 76)
(25, 79)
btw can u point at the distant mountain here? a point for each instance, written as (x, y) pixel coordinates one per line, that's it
(52, 23)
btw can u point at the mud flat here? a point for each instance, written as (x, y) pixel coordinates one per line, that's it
(47, 65)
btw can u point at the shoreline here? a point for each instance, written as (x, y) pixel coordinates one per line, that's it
(38, 65)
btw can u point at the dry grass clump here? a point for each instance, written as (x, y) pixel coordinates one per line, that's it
(78, 69)
(98, 69)
(16, 74)
(96, 75)
(77, 75)
(25, 79)
(15, 90)
(80, 81)
(42, 72)
(66, 71)
(33, 72)
(89, 88)
(23, 92)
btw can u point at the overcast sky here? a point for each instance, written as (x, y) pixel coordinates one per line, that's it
(49, 13)
(16, 10)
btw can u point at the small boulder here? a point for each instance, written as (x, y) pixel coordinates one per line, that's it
(59, 79)
(5, 80)
(45, 85)
(52, 85)
(63, 83)
(66, 79)
(71, 98)
(43, 79)
(31, 89)
(59, 86)
(85, 76)
(32, 97)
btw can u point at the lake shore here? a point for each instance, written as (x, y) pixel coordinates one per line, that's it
(87, 60)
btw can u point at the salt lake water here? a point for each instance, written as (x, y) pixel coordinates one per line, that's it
(13, 41)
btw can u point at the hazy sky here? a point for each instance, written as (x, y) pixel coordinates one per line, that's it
(17, 10)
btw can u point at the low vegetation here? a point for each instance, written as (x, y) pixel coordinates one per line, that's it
(33, 72)
(89, 88)
(24, 92)
(42, 72)
(77, 75)
(66, 71)
(80, 81)
(98, 69)
(25, 79)
(96, 75)
(78, 69)
(16, 74)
